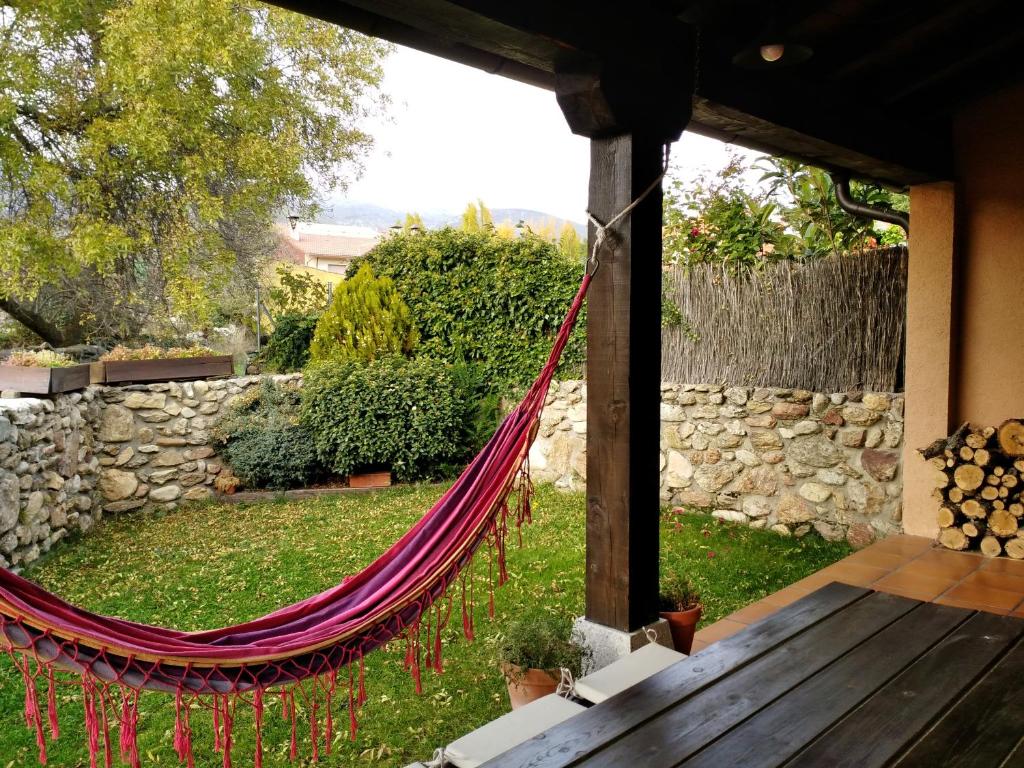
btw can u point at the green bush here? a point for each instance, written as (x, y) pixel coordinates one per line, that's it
(263, 440)
(484, 298)
(287, 348)
(407, 415)
(367, 319)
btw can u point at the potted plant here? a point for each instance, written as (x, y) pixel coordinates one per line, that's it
(679, 604)
(43, 372)
(533, 651)
(153, 363)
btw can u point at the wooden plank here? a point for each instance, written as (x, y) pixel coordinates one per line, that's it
(169, 369)
(782, 729)
(567, 742)
(70, 378)
(936, 680)
(698, 720)
(25, 379)
(624, 387)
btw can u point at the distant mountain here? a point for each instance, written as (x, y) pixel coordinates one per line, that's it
(381, 218)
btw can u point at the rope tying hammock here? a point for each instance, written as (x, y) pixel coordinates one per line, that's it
(313, 649)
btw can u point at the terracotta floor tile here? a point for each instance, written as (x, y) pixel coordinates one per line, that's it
(784, 597)
(753, 612)
(817, 580)
(995, 579)
(902, 545)
(854, 573)
(984, 596)
(958, 603)
(943, 564)
(1003, 565)
(877, 558)
(719, 630)
(914, 585)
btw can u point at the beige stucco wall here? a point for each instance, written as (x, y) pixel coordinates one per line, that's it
(989, 142)
(967, 264)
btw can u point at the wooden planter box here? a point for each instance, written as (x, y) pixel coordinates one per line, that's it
(370, 480)
(167, 369)
(43, 381)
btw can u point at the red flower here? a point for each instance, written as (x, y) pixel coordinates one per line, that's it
(711, 554)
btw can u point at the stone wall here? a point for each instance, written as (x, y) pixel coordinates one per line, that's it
(48, 473)
(156, 447)
(66, 461)
(785, 459)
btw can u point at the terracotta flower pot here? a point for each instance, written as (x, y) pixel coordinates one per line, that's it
(526, 685)
(370, 480)
(683, 624)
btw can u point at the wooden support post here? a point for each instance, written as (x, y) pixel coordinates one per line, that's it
(629, 107)
(623, 387)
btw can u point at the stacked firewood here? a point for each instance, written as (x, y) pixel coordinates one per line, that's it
(981, 488)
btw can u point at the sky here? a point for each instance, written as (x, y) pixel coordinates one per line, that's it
(454, 134)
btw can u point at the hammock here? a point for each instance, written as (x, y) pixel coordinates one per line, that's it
(314, 648)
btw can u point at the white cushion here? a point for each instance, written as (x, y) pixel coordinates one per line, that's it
(626, 672)
(502, 734)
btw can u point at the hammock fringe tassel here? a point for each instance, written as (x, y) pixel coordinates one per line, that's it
(110, 700)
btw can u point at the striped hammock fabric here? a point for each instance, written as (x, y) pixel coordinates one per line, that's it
(314, 648)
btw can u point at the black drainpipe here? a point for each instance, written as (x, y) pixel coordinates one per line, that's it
(849, 204)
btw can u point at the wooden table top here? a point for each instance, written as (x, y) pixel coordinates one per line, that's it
(842, 677)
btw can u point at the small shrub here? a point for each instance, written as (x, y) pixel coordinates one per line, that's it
(43, 358)
(541, 642)
(677, 594)
(367, 319)
(264, 442)
(153, 352)
(287, 348)
(407, 415)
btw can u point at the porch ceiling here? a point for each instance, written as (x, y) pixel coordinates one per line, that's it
(877, 98)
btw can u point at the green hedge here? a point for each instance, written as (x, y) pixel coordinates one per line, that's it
(408, 415)
(287, 348)
(263, 442)
(483, 298)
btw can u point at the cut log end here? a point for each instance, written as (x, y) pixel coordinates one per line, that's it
(1002, 523)
(1011, 437)
(969, 477)
(991, 547)
(975, 509)
(1015, 549)
(946, 517)
(954, 538)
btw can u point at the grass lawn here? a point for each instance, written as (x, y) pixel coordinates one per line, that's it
(211, 565)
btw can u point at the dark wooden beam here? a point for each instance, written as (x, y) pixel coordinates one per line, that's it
(531, 40)
(623, 387)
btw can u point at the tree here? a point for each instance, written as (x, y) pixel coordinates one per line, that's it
(821, 225)
(470, 218)
(146, 145)
(718, 219)
(725, 218)
(477, 217)
(367, 319)
(413, 221)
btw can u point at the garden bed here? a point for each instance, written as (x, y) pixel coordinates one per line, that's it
(165, 369)
(43, 381)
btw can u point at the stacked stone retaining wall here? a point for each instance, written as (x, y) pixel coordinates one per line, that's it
(785, 459)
